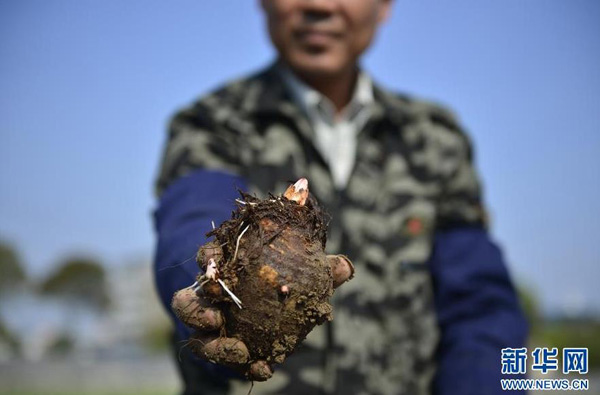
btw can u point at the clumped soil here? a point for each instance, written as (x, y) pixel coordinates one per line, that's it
(278, 270)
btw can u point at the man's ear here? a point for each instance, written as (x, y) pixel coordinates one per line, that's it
(383, 12)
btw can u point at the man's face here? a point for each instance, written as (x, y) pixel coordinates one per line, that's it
(323, 37)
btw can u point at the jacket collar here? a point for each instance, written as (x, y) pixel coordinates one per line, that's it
(273, 98)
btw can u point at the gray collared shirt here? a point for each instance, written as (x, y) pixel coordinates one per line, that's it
(335, 134)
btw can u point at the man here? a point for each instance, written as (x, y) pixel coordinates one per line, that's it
(431, 304)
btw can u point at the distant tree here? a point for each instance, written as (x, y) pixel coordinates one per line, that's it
(61, 346)
(12, 273)
(531, 309)
(9, 339)
(157, 337)
(80, 281)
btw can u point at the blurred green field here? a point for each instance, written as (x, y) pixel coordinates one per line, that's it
(144, 376)
(123, 392)
(561, 332)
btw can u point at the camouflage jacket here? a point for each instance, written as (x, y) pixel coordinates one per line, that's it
(413, 176)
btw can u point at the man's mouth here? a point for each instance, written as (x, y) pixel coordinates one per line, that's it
(316, 38)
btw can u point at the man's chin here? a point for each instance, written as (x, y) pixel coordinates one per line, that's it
(317, 65)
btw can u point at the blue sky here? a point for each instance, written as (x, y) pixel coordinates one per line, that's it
(86, 89)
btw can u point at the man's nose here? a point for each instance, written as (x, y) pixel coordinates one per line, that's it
(317, 10)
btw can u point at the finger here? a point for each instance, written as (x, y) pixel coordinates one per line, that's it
(207, 252)
(231, 352)
(220, 350)
(259, 371)
(195, 312)
(341, 269)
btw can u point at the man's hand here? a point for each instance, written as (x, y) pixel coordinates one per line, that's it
(195, 311)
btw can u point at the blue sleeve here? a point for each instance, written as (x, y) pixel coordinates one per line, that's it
(183, 217)
(478, 312)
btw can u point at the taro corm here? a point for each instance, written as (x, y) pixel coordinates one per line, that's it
(265, 284)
